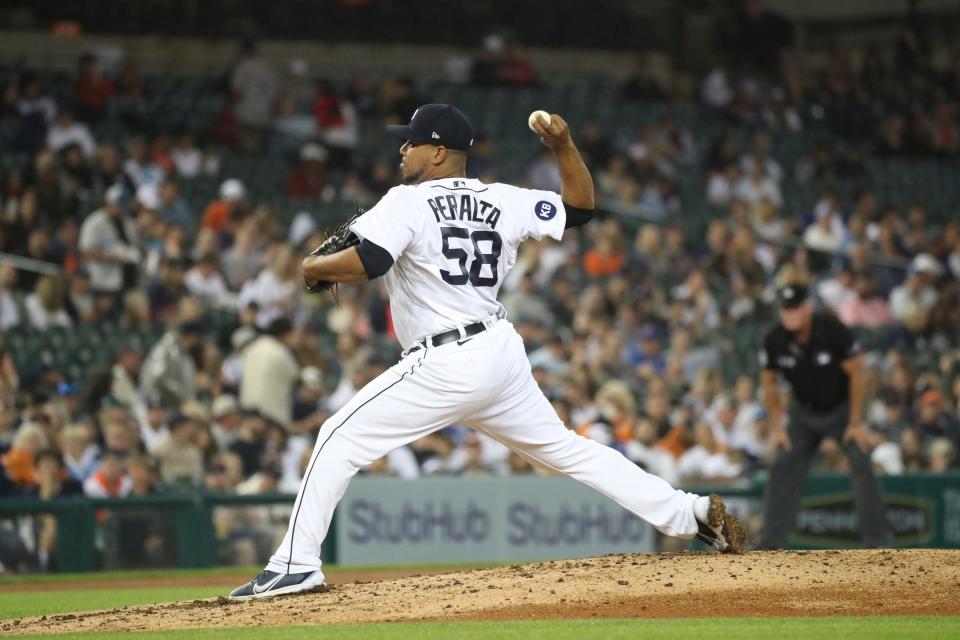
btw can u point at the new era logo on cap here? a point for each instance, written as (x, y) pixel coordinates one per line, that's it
(437, 124)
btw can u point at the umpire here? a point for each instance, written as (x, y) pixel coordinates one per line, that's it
(820, 359)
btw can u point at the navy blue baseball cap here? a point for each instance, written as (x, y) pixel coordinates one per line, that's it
(439, 125)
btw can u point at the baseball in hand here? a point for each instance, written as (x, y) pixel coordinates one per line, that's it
(543, 115)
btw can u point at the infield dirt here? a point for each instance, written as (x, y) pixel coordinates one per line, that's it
(797, 583)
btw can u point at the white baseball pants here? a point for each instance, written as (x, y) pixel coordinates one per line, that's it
(486, 383)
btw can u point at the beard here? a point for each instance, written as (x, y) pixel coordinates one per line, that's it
(412, 177)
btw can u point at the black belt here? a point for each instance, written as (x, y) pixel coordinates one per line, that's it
(446, 337)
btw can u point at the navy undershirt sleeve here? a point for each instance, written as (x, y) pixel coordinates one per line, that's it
(576, 216)
(376, 260)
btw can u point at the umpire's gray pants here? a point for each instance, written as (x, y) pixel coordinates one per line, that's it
(789, 470)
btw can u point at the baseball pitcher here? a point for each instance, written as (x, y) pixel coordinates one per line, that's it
(444, 244)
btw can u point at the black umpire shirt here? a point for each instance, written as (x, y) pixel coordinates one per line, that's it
(814, 369)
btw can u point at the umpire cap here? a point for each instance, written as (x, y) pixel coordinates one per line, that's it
(792, 296)
(439, 125)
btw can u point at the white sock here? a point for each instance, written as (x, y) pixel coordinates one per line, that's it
(700, 508)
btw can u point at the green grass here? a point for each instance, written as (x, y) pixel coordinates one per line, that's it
(47, 578)
(878, 628)
(19, 604)
(331, 570)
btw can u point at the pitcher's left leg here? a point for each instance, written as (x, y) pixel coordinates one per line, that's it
(528, 424)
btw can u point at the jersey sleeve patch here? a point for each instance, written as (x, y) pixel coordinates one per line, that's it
(545, 210)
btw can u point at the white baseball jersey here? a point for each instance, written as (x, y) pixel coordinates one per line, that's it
(453, 241)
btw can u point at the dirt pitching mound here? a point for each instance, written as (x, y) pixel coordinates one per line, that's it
(799, 583)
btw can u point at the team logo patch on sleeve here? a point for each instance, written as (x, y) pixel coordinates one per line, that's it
(545, 210)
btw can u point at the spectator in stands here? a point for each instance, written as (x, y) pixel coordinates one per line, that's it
(270, 373)
(107, 169)
(524, 305)
(230, 209)
(911, 449)
(49, 195)
(159, 153)
(39, 247)
(694, 305)
(206, 284)
(18, 461)
(9, 386)
(172, 208)
(836, 291)
(10, 312)
(544, 173)
(120, 434)
(36, 112)
(45, 306)
(108, 242)
(143, 473)
(80, 454)
(109, 480)
(254, 86)
(167, 289)
(758, 185)
(722, 184)
(52, 483)
(721, 416)
(249, 444)
(52, 478)
(276, 289)
(92, 89)
(243, 260)
(186, 156)
(226, 416)
(76, 172)
(912, 301)
(501, 64)
(308, 178)
(706, 460)
(605, 258)
(749, 428)
(716, 89)
(169, 368)
(617, 415)
(943, 455)
(933, 420)
(294, 123)
(866, 308)
(139, 167)
(123, 383)
(66, 131)
(824, 234)
(179, 458)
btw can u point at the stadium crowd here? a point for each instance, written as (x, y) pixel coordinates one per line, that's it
(628, 327)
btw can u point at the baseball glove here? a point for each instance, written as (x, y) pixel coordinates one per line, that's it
(339, 239)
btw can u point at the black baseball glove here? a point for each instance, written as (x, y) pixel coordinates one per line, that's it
(341, 238)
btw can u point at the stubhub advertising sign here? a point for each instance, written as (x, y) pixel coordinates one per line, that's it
(383, 521)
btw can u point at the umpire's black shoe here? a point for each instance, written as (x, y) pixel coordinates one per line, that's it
(722, 531)
(268, 584)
